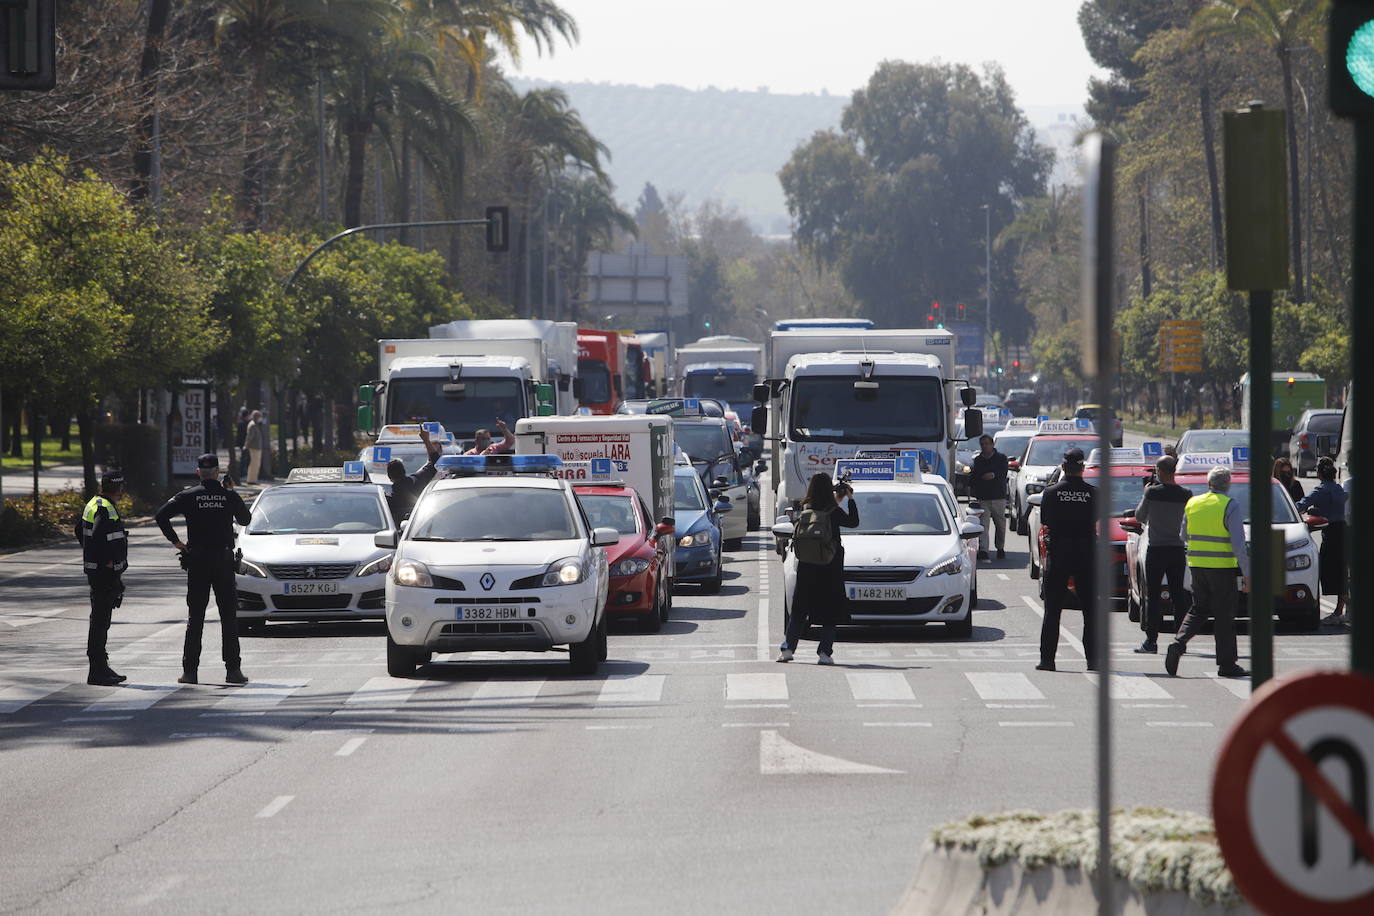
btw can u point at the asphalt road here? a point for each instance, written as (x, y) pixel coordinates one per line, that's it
(692, 774)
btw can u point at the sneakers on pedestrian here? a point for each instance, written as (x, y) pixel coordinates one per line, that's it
(103, 679)
(188, 676)
(982, 554)
(1171, 657)
(1001, 554)
(235, 676)
(824, 659)
(785, 655)
(1148, 647)
(1045, 666)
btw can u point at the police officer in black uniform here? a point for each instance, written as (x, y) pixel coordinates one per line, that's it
(1067, 509)
(105, 555)
(210, 509)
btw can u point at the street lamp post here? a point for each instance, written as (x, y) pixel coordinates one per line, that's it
(987, 266)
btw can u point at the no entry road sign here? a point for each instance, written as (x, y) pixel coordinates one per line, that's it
(1291, 796)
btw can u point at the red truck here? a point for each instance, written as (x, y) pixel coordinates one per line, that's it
(602, 367)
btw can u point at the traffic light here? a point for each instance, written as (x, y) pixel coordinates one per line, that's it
(930, 320)
(498, 228)
(960, 309)
(706, 322)
(1016, 365)
(1350, 63)
(28, 44)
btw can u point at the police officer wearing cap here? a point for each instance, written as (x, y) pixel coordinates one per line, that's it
(104, 554)
(210, 509)
(1067, 510)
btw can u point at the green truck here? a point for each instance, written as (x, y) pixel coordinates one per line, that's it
(1291, 393)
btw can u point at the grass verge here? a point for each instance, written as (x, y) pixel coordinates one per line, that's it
(58, 511)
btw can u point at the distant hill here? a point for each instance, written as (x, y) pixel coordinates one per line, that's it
(728, 145)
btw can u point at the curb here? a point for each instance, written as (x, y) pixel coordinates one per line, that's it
(953, 882)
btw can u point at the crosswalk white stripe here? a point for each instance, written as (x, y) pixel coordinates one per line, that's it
(382, 691)
(879, 685)
(1132, 687)
(1003, 685)
(16, 697)
(755, 687)
(1238, 686)
(131, 699)
(509, 691)
(261, 694)
(29, 618)
(632, 688)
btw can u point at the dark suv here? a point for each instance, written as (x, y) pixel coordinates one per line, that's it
(1316, 435)
(1022, 402)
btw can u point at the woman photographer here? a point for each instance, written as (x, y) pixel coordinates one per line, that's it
(819, 596)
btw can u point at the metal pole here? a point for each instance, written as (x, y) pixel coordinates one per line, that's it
(1262, 582)
(321, 152)
(1362, 391)
(987, 266)
(356, 229)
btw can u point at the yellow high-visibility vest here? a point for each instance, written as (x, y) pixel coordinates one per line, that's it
(92, 507)
(1209, 543)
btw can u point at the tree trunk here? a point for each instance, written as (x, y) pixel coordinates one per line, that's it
(1294, 187)
(85, 432)
(455, 239)
(353, 181)
(36, 434)
(149, 64)
(1209, 149)
(16, 437)
(403, 191)
(1144, 211)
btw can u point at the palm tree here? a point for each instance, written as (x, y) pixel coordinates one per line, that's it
(588, 219)
(1283, 26)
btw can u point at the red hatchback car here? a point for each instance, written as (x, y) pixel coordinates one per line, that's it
(640, 585)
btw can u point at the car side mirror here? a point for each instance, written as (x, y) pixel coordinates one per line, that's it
(973, 422)
(783, 529)
(720, 482)
(664, 529)
(1013, 464)
(762, 391)
(969, 396)
(970, 530)
(605, 537)
(723, 505)
(1315, 522)
(1131, 525)
(758, 419)
(385, 540)
(1035, 499)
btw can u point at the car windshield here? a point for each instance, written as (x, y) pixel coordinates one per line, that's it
(604, 511)
(596, 381)
(965, 450)
(831, 409)
(1325, 423)
(901, 513)
(729, 387)
(1013, 446)
(1284, 513)
(470, 404)
(1212, 440)
(1126, 492)
(282, 510)
(1043, 452)
(493, 514)
(687, 493)
(711, 449)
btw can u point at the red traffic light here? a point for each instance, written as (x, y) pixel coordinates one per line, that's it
(935, 306)
(1016, 364)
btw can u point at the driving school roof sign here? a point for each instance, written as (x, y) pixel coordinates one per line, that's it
(1291, 796)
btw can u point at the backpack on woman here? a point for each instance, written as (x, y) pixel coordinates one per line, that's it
(813, 537)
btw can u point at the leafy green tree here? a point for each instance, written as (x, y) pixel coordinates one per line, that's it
(1113, 32)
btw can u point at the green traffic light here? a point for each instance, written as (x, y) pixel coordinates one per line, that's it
(1359, 58)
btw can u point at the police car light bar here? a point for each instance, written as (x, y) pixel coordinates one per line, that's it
(499, 464)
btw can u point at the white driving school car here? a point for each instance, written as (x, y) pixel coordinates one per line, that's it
(910, 560)
(308, 553)
(497, 555)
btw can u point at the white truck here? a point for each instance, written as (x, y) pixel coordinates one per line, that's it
(467, 374)
(833, 393)
(720, 367)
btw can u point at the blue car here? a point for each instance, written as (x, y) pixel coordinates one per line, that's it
(698, 540)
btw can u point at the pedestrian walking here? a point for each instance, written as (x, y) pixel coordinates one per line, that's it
(105, 556)
(1328, 500)
(818, 596)
(254, 441)
(1067, 510)
(210, 510)
(1283, 473)
(1161, 511)
(988, 485)
(406, 489)
(1213, 528)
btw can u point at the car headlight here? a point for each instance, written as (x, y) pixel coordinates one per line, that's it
(965, 469)
(700, 539)
(948, 567)
(568, 571)
(1300, 544)
(630, 566)
(249, 568)
(412, 573)
(1298, 561)
(379, 565)
(1033, 488)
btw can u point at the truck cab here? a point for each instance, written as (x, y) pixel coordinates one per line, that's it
(601, 360)
(464, 394)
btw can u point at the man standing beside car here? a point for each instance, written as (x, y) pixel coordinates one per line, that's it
(988, 485)
(1161, 512)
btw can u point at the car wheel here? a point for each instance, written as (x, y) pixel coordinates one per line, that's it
(734, 544)
(585, 657)
(973, 595)
(653, 621)
(667, 601)
(755, 519)
(603, 639)
(962, 629)
(1034, 560)
(712, 585)
(400, 660)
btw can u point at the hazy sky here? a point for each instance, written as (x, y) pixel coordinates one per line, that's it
(796, 46)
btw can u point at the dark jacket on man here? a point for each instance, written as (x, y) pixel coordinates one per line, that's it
(210, 510)
(996, 488)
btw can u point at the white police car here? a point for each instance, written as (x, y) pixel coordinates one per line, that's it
(497, 555)
(911, 560)
(308, 553)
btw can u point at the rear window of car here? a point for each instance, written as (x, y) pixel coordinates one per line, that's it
(1325, 423)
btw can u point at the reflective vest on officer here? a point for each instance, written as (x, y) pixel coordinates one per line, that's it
(103, 544)
(1209, 543)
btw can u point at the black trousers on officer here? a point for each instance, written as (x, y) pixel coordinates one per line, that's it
(107, 591)
(1162, 563)
(1067, 560)
(208, 570)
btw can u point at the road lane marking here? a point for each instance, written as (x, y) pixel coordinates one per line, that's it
(349, 746)
(632, 688)
(261, 694)
(879, 685)
(1237, 686)
(755, 687)
(1180, 724)
(97, 718)
(1003, 685)
(889, 705)
(1131, 686)
(760, 705)
(508, 691)
(29, 618)
(1063, 630)
(131, 699)
(150, 642)
(200, 734)
(382, 691)
(1004, 577)
(1035, 724)
(780, 757)
(899, 724)
(159, 890)
(755, 724)
(1154, 705)
(16, 697)
(272, 808)
(1019, 705)
(765, 651)
(232, 715)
